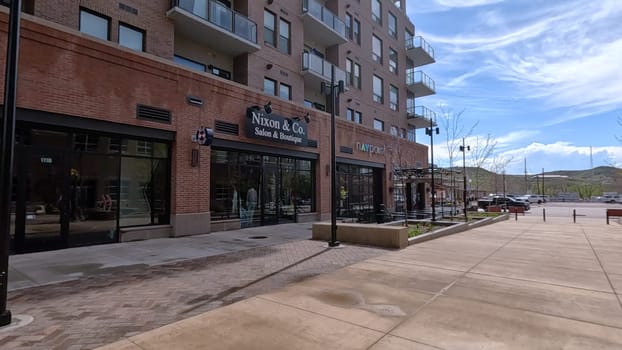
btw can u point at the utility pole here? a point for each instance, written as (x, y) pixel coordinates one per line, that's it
(8, 148)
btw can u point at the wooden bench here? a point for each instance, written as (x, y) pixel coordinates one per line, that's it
(517, 210)
(613, 212)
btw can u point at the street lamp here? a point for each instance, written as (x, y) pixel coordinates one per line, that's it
(8, 147)
(463, 149)
(333, 90)
(430, 131)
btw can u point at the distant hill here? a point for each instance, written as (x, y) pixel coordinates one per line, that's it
(587, 183)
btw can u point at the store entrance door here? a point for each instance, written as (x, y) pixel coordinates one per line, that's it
(42, 209)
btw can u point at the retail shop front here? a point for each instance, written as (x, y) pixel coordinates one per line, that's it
(263, 184)
(80, 181)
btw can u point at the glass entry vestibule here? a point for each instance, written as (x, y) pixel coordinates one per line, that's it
(74, 187)
(260, 189)
(359, 191)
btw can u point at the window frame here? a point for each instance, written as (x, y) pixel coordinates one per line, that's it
(393, 90)
(393, 61)
(392, 29)
(189, 63)
(275, 84)
(376, 17)
(265, 28)
(349, 72)
(95, 14)
(378, 122)
(356, 75)
(285, 41)
(376, 56)
(358, 117)
(356, 31)
(135, 29)
(348, 22)
(379, 98)
(289, 91)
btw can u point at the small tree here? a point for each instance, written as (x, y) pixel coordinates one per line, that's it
(480, 154)
(453, 126)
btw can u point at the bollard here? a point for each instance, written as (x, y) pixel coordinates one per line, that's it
(516, 215)
(574, 215)
(544, 214)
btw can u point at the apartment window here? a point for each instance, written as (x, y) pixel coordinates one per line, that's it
(269, 86)
(349, 76)
(393, 98)
(393, 130)
(408, 38)
(356, 31)
(377, 87)
(353, 116)
(285, 91)
(284, 37)
(348, 22)
(358, 117)
(403, 133)
(378, 124)
(94, 24)
(131, 37)
(269, 28)
(411, 135)
(376, 11)
(392, 25)
(392, 61)
(376, 49)
(189, 63)
(357, 76)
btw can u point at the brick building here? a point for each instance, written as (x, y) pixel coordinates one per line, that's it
(111, 95)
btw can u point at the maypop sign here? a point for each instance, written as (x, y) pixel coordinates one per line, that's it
(275, 128)
(369, 148)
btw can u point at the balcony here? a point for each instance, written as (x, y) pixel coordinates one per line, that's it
(419, 83)
(213, 24)
(317, 70)
(419, 51)
(322, 27)
(420, 117)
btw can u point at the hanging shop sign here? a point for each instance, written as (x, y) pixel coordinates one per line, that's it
(276, 128)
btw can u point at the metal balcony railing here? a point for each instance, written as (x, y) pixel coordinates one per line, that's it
(318, 11)
(418, 77)
(222, 16)
(420, 112)
(319, 66)
(419, 42)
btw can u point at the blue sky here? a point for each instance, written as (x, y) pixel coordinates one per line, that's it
(544, 78)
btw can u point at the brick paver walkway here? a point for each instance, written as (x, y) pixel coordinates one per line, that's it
(101, 309)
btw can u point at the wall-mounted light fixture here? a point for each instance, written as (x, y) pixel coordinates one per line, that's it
(268, 107)
(305, 118)
(269, 66)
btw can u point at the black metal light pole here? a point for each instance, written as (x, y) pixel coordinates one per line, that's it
(340, 88)
(430, 131)
(463, 149)
(6, 163)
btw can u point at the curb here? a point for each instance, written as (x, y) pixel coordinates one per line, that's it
(450, 230)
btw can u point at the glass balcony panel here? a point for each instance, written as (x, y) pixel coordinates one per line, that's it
(221, 15)
(318, 11)
(245, 28)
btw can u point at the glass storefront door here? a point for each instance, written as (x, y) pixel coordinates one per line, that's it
(43, 201)
(270, 191)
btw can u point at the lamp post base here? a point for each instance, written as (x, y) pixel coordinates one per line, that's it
(333, 244)
(5, 318)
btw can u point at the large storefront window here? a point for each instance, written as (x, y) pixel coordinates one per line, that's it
(357, 192)
(259, 189)
(77, 188)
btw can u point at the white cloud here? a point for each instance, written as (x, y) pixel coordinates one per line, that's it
(466, 3)
(565, 53)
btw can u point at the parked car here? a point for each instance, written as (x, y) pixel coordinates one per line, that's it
(536, 198)
(506, 202)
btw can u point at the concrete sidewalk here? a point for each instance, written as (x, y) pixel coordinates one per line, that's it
(37, 269)
(513, 285)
